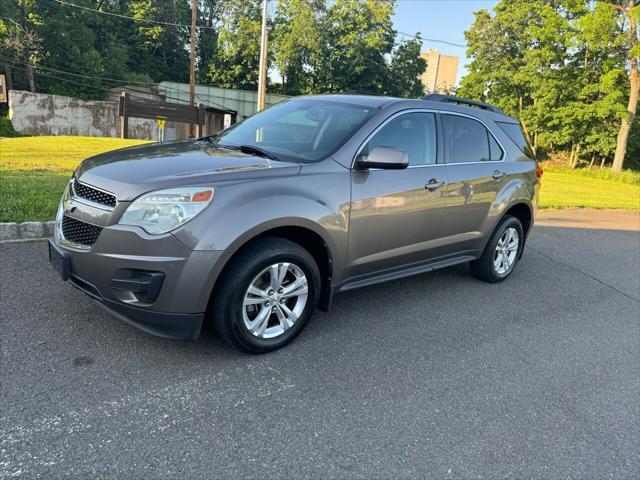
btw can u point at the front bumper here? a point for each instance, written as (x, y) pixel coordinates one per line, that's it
(176, 310)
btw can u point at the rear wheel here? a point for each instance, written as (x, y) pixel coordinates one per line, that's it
(266, 296)
(502, 252)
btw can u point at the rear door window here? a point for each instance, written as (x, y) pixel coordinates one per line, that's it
(466, 139)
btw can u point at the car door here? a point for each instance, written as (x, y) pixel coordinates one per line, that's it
(396, 215)
(476, 173)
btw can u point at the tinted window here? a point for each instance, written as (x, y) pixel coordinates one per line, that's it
(414, 133)
(494, 148)
(514, 132)
(298, 130)
(467, 139)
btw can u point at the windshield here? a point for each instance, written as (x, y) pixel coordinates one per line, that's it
(297, 130)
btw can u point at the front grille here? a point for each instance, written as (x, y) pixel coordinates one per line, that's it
(93, 194)
(79, 232)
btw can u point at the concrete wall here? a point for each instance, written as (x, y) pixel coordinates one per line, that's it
(245, 102)
(42, 114)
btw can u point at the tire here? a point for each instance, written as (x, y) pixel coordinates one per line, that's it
(270, 315)
(497, 263)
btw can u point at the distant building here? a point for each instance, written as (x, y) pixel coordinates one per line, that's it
(441, 73)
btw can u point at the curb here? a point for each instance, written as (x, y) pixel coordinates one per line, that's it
(11, 231)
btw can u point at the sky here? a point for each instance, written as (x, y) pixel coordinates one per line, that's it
(440, 19)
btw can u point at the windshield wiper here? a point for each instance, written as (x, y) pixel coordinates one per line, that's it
(245, 149)
(257, 151)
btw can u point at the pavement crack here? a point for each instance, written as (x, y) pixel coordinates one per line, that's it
(583, 273)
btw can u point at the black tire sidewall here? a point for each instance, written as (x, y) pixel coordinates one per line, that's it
(241, 335)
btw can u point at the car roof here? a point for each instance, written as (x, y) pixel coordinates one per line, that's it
(380, 102)
(360, 100)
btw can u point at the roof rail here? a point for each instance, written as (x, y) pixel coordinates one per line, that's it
(437, 97)
(359, 92)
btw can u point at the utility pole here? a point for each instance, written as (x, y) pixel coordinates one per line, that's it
(192, 60)
(264, 57)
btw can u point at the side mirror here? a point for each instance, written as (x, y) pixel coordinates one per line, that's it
(386, 158)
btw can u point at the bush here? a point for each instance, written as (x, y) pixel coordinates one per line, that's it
(6, 129)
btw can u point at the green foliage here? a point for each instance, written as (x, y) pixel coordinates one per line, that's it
(559, 66)
(317, 46)
(346, 45)
(235, 63)
(359, 34)
(83, 53)
(298, 44)
(6, 129)
(407, 66)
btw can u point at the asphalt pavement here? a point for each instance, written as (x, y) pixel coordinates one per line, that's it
(438, 375)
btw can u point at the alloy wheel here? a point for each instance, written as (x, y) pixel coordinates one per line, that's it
(506, 251)
(274, 300)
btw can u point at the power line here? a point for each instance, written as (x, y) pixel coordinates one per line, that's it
(183, 25)
(116, 82)
(134, 19)
(106, 88)
(436, 40)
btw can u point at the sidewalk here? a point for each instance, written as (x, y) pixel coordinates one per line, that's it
(590, 218)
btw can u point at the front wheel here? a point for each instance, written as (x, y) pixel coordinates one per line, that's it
(501, 253)
(266, 296)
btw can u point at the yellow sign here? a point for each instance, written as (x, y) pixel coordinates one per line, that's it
(160, 121)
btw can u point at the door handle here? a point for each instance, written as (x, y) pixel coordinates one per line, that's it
(433, 184)
(498, 174)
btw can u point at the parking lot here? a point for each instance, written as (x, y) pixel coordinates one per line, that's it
(438, 375)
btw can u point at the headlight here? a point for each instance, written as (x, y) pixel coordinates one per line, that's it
(164, 210)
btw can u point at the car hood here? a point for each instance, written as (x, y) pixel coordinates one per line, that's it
(130, 172)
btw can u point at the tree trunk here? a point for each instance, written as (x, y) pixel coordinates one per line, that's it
(28, 69)
(576, 157)
(531, 141)
(28, 74)
(571, 154)
(627, 121)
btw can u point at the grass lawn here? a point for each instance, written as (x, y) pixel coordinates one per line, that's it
(565, 189)
(34, 170)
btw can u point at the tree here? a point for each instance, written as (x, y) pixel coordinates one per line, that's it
(210, 14)
(235, 62)
(406, 68)
(298, 43)
(558, 66)
(626, 12)
(168, 43)
(359, 36)
(18, 40)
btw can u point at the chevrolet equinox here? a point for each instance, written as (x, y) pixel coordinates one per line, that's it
(255, 227)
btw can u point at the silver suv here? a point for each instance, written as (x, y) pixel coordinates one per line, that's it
(255, 227)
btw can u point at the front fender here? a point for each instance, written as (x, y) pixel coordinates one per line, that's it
(242, 211)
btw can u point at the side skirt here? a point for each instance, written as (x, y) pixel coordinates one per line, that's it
(405, 272)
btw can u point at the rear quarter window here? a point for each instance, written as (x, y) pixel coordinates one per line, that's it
(514, 132)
